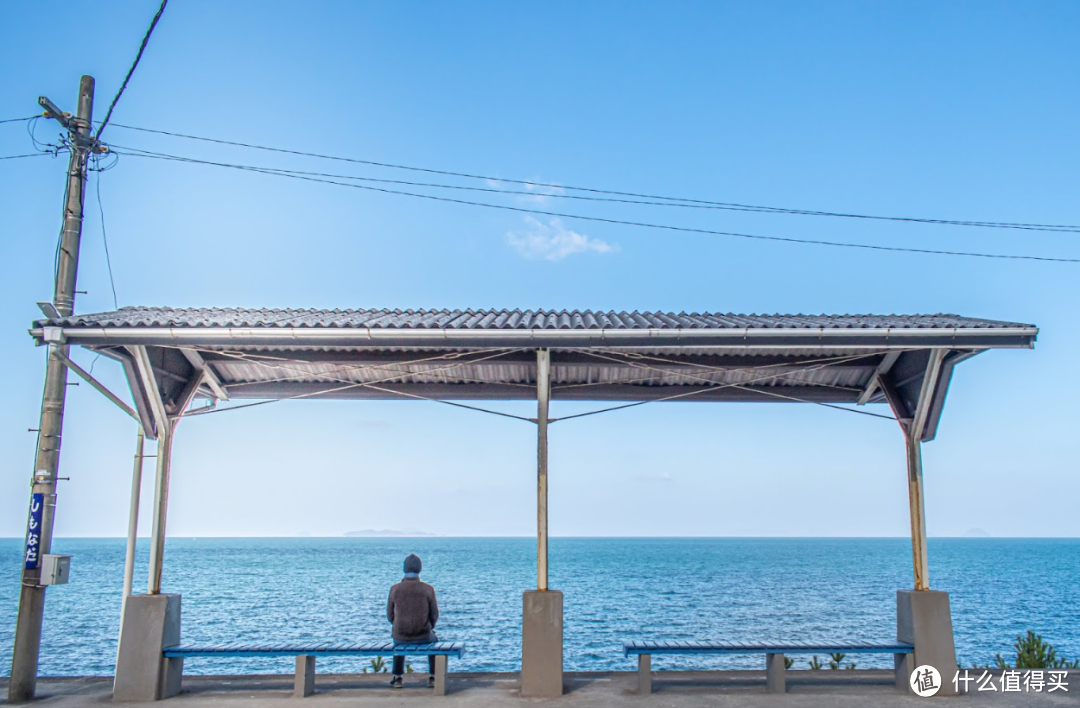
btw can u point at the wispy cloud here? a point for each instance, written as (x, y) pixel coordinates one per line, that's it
(553, 241)
(538, 193)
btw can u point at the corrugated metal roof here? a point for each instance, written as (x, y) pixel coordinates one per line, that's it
(238, 373)
(137, 317)
(491, 354)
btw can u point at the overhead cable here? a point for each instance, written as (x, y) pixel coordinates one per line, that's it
(620, 222)
(134, 64)
(105, 240)
(704, 203)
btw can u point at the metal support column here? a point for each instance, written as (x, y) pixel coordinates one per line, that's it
(917, 513)
(24, 656)
(161, 508)
(543, 397)
(164, 426)
(133, 522)
(132, 531)
(913, 428)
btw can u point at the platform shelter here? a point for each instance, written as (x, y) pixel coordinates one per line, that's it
(181, 362)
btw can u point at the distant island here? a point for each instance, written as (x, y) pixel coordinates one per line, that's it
(385, 532)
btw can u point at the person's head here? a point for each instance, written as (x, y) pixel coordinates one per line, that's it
(413, 564)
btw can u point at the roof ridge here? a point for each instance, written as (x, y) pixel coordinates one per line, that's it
(492, 319)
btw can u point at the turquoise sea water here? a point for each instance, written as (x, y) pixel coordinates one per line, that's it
(615, 589)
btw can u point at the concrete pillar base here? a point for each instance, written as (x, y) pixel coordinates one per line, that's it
(440, 674)
(542, 644)
(644, 674)
(151, 623)
(903, 665)
(775, 680)
(923, 619)
(304, 683)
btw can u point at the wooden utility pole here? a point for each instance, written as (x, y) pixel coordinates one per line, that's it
(24, 657)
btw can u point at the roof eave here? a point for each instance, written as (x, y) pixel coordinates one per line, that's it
(977, 338)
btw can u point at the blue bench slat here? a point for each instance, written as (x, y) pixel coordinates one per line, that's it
(324, 649)
(683, 647)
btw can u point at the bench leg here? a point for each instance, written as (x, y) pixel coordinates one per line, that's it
(904, 664)
(304, 685)
(440, 674)
(775, 680)
(644, 674)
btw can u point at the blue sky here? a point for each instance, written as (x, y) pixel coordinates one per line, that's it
(943, 110)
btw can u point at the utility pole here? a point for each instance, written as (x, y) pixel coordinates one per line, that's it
(24, 659)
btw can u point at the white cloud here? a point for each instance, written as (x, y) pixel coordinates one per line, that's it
(541, 192)
(553, 241)
(538, 192)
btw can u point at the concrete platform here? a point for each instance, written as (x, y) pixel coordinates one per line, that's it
(674, 689)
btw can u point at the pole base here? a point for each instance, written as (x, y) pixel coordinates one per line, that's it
(923, 619)
(542, 644)
(151, 623)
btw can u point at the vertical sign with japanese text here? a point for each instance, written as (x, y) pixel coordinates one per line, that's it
(33, 532)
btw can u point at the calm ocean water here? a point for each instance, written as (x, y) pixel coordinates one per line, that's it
(615, 589)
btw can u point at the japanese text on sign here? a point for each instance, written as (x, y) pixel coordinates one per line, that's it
(33, 531)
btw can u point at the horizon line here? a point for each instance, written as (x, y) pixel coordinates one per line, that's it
(503, 536)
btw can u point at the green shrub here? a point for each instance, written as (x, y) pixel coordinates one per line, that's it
(378, 666)
(814, 663)
(1032, 652)
(834, 662)
(788, 662)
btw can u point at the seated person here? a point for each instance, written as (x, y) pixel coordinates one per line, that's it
(413, 612)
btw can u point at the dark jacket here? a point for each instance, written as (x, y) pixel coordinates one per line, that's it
(413, 611)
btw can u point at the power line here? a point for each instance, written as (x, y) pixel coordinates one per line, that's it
(702, 203)
(208, 411)
(620, 222)
(105, 240)
(434, 185)
(142, 48)
(19, 120)
(19, 157)
(486, 190)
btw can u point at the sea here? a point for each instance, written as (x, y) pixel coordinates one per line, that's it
(270, 590)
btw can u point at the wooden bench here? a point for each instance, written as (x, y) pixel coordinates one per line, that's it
(774, 657)
(305, 656)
